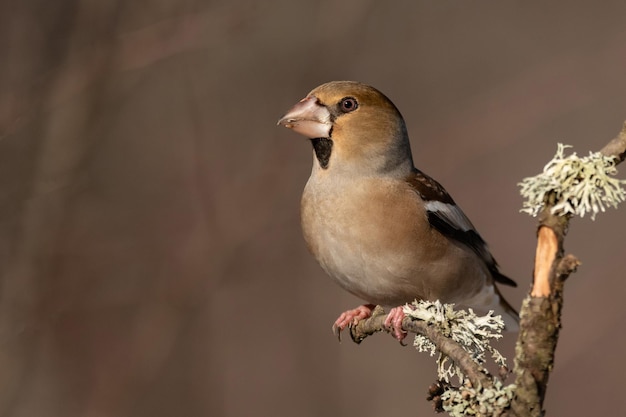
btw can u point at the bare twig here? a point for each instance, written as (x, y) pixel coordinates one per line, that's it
(617, 147)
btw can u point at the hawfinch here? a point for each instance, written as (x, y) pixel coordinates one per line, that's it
(385, 231)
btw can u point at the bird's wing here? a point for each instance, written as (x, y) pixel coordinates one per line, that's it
(445, 216)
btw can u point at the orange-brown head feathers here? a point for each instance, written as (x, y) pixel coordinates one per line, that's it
(366, 130)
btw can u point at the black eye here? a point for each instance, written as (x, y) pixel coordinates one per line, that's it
(348, 104)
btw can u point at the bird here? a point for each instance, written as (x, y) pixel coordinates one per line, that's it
(382, 229)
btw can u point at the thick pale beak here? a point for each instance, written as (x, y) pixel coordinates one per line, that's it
(309, 118)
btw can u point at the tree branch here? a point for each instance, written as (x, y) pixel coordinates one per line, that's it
(478, 375)
(616, 147)
(540, 316)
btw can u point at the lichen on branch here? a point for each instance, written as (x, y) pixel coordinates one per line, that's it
(472, 332)
(581, 185)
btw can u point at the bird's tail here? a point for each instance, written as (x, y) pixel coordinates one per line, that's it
(508, 313)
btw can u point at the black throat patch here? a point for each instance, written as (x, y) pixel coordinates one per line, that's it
(323, 148)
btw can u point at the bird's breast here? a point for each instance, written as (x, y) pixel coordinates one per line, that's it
(365, 238)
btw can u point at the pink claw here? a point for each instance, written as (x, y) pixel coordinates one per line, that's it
(352, 317)
(394, 323)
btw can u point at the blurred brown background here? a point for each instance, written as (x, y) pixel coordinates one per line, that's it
(150, 250)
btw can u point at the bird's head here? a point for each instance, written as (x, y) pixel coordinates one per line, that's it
(353, 127)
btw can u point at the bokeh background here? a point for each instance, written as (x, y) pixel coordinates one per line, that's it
(150, 253)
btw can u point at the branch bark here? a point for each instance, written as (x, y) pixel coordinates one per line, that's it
(616, 147)
(540, 316)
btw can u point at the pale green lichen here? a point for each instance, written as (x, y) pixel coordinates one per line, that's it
(470, 401)
(474, 333)
(580, 185)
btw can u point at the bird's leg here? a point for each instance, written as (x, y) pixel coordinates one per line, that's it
(394, 323)
(352, 317)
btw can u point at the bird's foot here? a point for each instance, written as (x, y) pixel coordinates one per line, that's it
(393, 322)
(352, 317)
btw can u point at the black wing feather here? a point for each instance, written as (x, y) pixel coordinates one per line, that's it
(431, 191)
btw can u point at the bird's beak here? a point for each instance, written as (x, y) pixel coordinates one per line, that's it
(309, 118)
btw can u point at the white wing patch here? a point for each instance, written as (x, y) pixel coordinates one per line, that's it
(451, 213)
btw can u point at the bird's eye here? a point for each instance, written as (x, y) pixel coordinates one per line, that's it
(348, 104)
